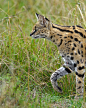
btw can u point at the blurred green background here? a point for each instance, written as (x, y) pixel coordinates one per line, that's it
(27, 64)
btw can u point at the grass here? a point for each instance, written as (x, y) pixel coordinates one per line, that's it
(27, 64)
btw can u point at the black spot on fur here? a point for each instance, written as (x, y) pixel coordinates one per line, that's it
(75, 39)
(81, 52)
(80, 75)
(78, 51)
(72, 58)
(79, 82)
(80, 68)
(79, 87)
(71, 37)
(81, 46)
(73, 27)
(51, 37)
(71, 53)
(73, 48)
(67, 70)
(65, 37)
(75, 53)
(53, 40)
(74, 44)
(60, 42)
(75, 64)
(59, 34)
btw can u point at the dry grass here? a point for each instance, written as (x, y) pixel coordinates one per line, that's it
(26, 64)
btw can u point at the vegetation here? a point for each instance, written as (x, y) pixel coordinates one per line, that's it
(27, 64)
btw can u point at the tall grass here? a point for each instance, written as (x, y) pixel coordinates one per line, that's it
(26, 64)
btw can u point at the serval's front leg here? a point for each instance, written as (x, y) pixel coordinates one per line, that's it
(64, 70)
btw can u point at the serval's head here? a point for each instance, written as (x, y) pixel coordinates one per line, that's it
(42, 28)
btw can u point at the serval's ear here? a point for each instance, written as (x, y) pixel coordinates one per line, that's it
(44, 21)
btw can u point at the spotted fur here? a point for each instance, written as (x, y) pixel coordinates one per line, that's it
(71, 43)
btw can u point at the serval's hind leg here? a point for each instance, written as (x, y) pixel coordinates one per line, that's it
(80, 74)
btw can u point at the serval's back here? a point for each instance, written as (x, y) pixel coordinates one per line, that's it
(71, 43)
